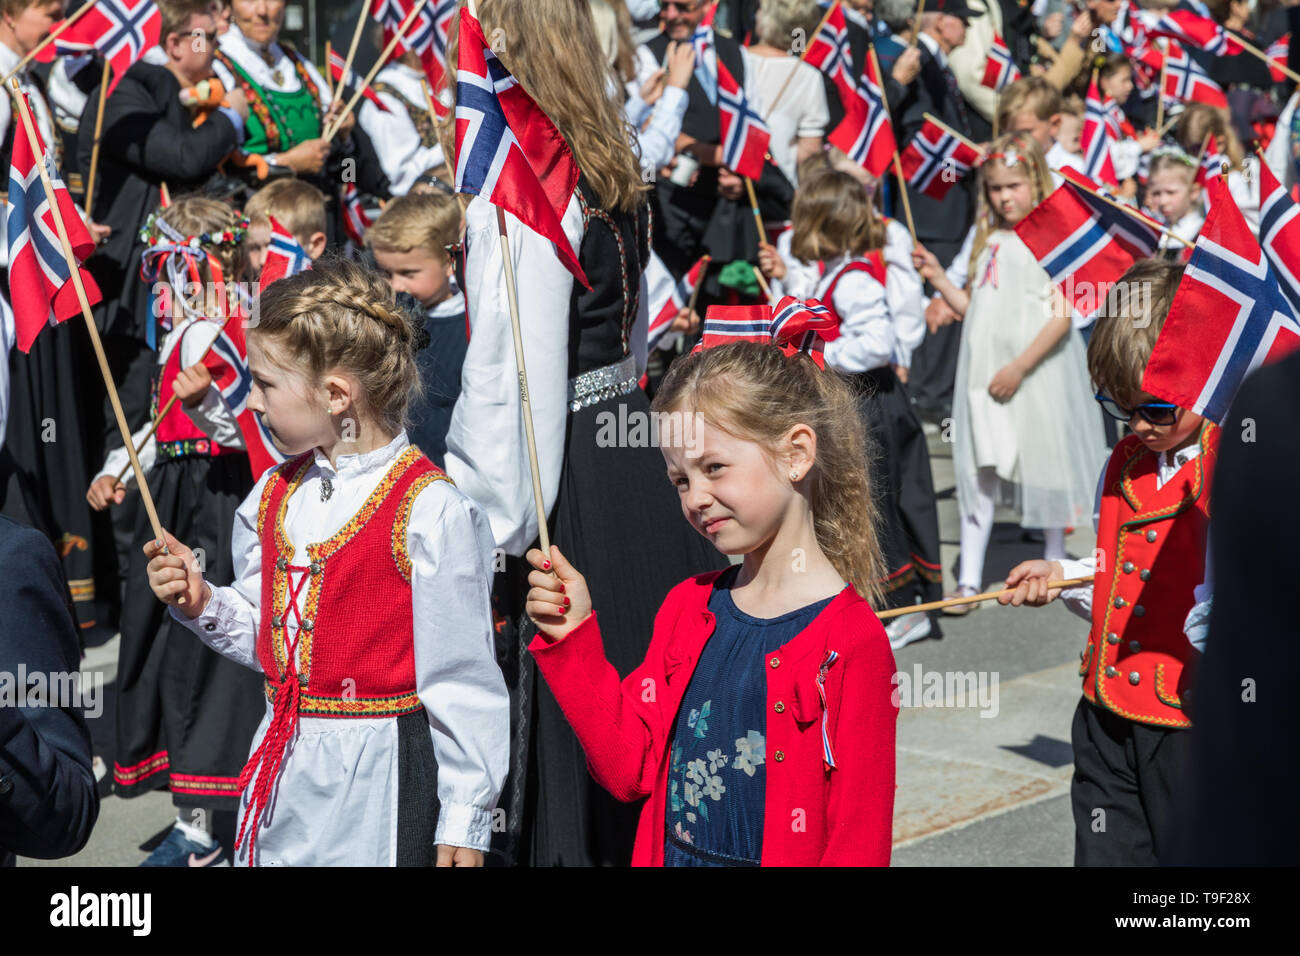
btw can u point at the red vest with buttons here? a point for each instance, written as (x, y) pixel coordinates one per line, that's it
(1151, 556)
(355, 654)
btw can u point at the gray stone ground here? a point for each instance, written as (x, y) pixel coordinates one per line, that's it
(972, 790)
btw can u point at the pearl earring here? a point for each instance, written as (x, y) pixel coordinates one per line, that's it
(794, 476)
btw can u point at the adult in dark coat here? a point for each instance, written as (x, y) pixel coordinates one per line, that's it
(1237, 800)
(940, 224)
(149, 138)
(48, 800)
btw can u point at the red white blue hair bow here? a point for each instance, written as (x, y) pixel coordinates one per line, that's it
(793, 325)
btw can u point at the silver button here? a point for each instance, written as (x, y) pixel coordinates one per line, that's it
(1139, 610)
(1134, 677)
(209, 626)
(276, 620)
(1111, 672)
(1112, 638)
(1128, 567)
(1119, 602)
(315, 567)
(308, 624)
(1151, 536)
(1145, 574)
(775, 662)
(281, 562)
(1134, 646)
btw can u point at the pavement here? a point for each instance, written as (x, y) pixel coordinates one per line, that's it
(985, 783)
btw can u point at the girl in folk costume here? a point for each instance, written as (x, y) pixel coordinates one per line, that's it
(185, 715)
(1203, 131)
(384, 739)
(1024, 426)
(585, 351)
(1175, 196)
(838, 254)
(42, 472)
(766, 694)
(407, 132)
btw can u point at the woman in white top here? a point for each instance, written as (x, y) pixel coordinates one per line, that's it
(791, 91)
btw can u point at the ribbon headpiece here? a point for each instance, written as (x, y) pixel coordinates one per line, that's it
(793, 325)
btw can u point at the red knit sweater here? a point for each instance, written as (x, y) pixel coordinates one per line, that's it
(813, 815)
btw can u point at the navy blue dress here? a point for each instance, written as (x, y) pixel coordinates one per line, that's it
(440, 365)
(717, 777)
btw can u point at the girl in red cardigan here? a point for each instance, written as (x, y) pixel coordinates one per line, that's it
(761, 723)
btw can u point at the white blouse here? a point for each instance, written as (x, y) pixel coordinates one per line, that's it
(248, 55)
(402, 153)
(336, 799)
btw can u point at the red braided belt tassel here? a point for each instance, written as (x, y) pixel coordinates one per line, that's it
(284, 722)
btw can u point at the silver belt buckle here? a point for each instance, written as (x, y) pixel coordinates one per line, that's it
(602, 383)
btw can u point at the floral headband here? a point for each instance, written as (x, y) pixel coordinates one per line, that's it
(1174, 153)
(156, 232)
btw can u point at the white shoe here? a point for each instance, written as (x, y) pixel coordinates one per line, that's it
(907, 628)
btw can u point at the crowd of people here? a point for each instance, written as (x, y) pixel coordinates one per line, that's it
(410, 608)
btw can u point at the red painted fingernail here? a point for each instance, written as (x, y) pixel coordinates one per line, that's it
(561, 587)
(560, 609)
(546, 565)
(566, 602)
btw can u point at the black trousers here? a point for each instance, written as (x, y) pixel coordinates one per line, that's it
(1122, 791)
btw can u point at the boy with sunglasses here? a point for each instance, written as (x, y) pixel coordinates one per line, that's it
(1130, 728)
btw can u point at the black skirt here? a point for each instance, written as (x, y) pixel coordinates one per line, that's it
(907, 521)
(619, 521)
(185, 715)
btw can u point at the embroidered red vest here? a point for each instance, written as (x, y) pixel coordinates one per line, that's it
(1151, 555)
(355, 652)
(177, 436)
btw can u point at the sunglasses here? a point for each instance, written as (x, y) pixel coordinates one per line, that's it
(1156, 413)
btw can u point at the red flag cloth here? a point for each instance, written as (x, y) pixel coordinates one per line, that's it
(122, 31)
(507, 150)
(1096, 139)
(679, 296)
(426, 37)
(1279, 234)
(1084, 244)
(1228, 317)
(1186, 82)
(865, 134)
(40, 283)
(1277, 53)
(935, 159)
(284, 257)
(350, 79)
(235, 383)
(356, 218)
(829, 52)
(745, 137)
(1195, 30)
(999, 68)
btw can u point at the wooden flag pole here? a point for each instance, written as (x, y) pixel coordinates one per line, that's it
(973, 599)
(916, 27)
(1130, 210)
(695, 293)
(329, 77)
(762, 284)
(898, 163)
(952, 132)
(54, 35)
(20, 107)
(753, 206)
(329, 133)
(802, 53)
(352, 49)
(1256, 51)
(94, 150)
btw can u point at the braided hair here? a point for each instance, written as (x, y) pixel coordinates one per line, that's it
(338, 315)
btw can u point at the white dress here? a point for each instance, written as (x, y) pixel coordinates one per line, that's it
(1046, 443)
(335, 802)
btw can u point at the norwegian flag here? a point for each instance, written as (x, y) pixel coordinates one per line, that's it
(1279, 233)
(507, 150)
(1212, 164)
(865, 134)
(345, 76)
(1277, 54)
(284, 257)
(795, 325)
(118, 30)
(935, 159)
(1186, 81)
(1147, 60)
(1096, 140)
(356, 218)
(426, 36)
(829, 52)
(1084, 244)
(1195, 30)
(229, 355)
(1228, 317)
(39, 286)
(999, 68)
(678, 298)
(709, 15)
(745, 136)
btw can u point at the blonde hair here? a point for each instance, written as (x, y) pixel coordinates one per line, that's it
(1128, 324)
(428, 221)
(1028, 94)
(193, 215)
(569, 86)
(758, 393)
(1175, 160)
(833, 215)
(297, 205)
(174, 15)
(338, 315)
(1199, 121)
(1030, 160)
(776, 21)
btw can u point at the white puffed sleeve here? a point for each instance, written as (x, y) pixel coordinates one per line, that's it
(866, 339)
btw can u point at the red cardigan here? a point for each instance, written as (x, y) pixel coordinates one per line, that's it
(813, 815)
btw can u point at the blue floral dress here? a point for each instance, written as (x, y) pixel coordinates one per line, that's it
(716, 781)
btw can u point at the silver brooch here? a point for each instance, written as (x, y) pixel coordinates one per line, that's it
(326, 489)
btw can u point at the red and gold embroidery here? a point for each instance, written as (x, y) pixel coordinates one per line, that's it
(403, 517)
